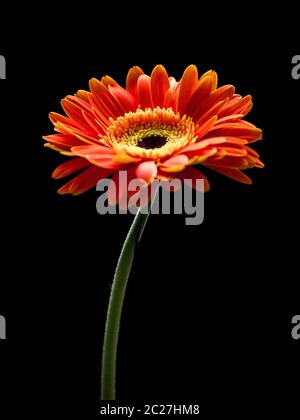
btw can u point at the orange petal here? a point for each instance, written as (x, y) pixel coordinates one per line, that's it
(92, 150)
(201, 91)
(214, 110)
(132, 79)
(204, 143)
(124, 98)
(235, 174)
(213, 76)
(124, 159)
(229, 162)
(91, 120)
(159, 85)
(104, 100)
(238, 105)
(84, 181)
(218, 95)
(237, 129)
(207, 127)
(83, 103)
(232, 118)
(108, 81)
(98, 155)
(83, 95)
(233, 151)
(199, 156)
(187, 84)
(69, 167)
(74, 112)
(144, 91)
(170, 100)
(63, 140)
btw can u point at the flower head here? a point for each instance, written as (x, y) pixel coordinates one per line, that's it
(155, 128)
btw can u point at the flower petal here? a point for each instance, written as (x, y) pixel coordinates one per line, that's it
(124, 98)
(237, 105)
(159, 85)
(69, 167)
(201, 91)
(237, 129)
(235, 174)
(132, 79)
(144, 91)
(146, 170)
(204, 143)
(108, 81)
(175, 164)
(214, 78)
(218, 95)
(63, 141)
(207, 127)
(187, 84)
(104, 101)
(84, 181)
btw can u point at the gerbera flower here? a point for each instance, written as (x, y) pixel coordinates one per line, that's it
(155, 128)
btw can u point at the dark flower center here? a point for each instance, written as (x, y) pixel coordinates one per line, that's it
(152, 142)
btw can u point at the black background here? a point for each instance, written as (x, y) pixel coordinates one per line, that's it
(208, 310)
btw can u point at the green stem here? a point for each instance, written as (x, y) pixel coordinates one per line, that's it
(112, 327)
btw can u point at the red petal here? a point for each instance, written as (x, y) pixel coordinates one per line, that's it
(144, 91)
(159, 85)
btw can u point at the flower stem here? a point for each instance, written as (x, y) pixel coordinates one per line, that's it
(112, 327)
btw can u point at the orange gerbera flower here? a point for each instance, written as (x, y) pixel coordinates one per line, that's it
(155, 128)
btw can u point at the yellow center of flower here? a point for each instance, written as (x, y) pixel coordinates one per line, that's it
(150, 133)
